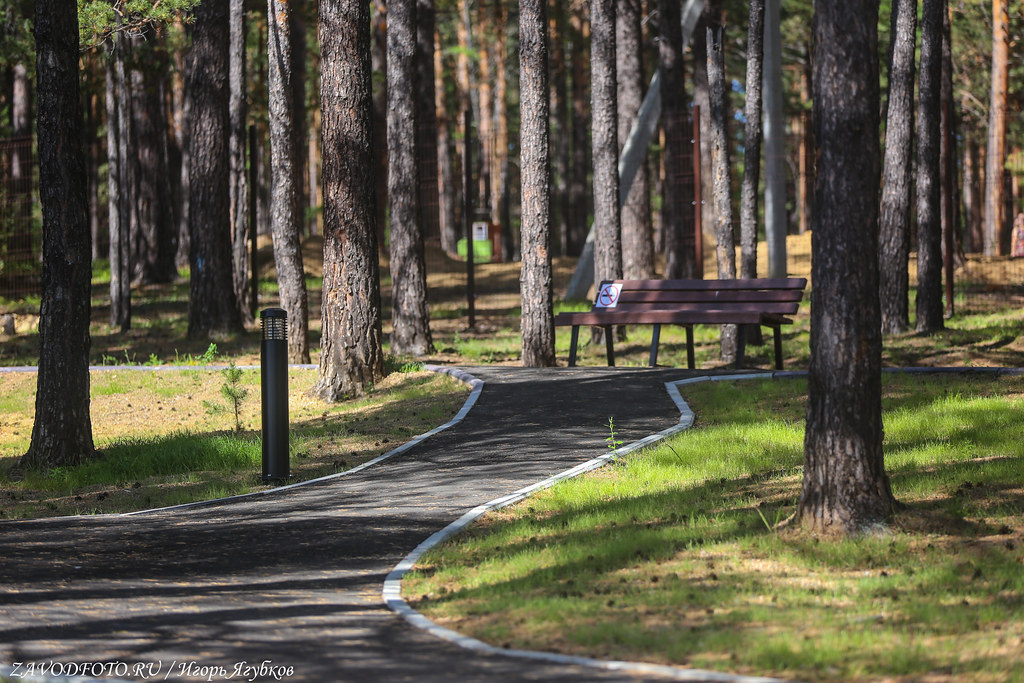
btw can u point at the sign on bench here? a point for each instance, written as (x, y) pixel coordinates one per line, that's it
(763, 301)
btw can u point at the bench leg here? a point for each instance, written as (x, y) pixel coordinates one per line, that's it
(608, 345)
(777, 338)
(741, 344)
(573, 340)
(689, 347)
(655, 337)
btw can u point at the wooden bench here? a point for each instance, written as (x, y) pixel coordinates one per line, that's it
(764, 302)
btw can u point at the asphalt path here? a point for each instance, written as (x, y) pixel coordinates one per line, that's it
(291, 581)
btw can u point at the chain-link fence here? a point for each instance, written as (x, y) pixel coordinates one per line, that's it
(20, 230)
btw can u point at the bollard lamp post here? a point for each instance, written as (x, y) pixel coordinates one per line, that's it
(274, 391)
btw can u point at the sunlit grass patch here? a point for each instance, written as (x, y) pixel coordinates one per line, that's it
(676, 555)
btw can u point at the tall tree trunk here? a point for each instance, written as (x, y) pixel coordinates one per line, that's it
(579, 202)
(637, 239)
(20, 241)
(725, 241)
(845, 488)
(379, 56)
(410, 317)
(947, 162)
(561, 134)
(501, 210)
(538, 332)
(805, 164)
(774, 143)
(92, 127)
(156, 235)
(604, 113)
(974, 236)
(62, 432)
(181, 131)
(752, 144)
(117, 192)
(300, 109)
(427, 130)
(897, 178)
(285, 175)
(446, 175)
(929, 225)
(485, 126)
(351, 353)
(213, 309)
(680, 257)
(995, 155)
(238, 182)
(711, 17)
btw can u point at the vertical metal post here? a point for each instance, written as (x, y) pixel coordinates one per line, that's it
(274, 389)
(467, 200)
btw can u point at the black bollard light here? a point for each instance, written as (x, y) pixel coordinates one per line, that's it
(274, 389)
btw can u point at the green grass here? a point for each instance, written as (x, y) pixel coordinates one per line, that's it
(168, 436)
(674, 555)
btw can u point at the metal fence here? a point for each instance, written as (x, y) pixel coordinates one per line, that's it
(20, 222)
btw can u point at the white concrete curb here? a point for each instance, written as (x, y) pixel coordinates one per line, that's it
(393, 584)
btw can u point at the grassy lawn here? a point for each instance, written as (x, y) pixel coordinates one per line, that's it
(676, 555)
(170, 436)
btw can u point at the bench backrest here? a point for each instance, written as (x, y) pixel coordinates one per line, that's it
(769, 295)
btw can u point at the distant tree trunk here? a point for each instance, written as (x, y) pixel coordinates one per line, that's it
(637, 238)
(805, 164)
(212, 309)
(604, 113)
(726, 245)
(410, 317)
(974, 236)
(156, 235)
(538, 332)
(897, 178)
(427, 130)
(300, 127)
(180, 106)
(929, 225)
(579, 202)
(501, 211)
(92, 127)
(485, 124)
(561, 133)
(680, 259)
(752, 151)
(351, 352)
(117, 191)
(845, 487)
(774, 143)
(238, 182)
(995, 156)
(710, 17)
(285, 175)
(445, 171)
(62, 432)
(20, 240)
(947, 163)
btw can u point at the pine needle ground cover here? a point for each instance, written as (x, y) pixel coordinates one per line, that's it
(676, 555)
(172, 436)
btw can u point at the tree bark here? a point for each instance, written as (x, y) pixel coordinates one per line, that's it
(62, 432)
(238, 182)
(351, 353)
(995, 155)
(538, 332)
(445, 152)
(121, 267)
(410, 317)
(845, 488)
(637, 239)
(213, 309)
(725, 241)
(775, 225)
(897, 178)
(156, 237)
(427, 130)
(604, 135)
(752, 144)
(579, 202)
(680, 258)
(560, 129)
(974, 235)
(379, 56)
(929, 224)
(117, 227)
(285, 175)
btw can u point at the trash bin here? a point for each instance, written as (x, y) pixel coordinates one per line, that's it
(274, 390)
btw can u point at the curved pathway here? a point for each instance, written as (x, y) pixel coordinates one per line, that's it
(294, 578)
